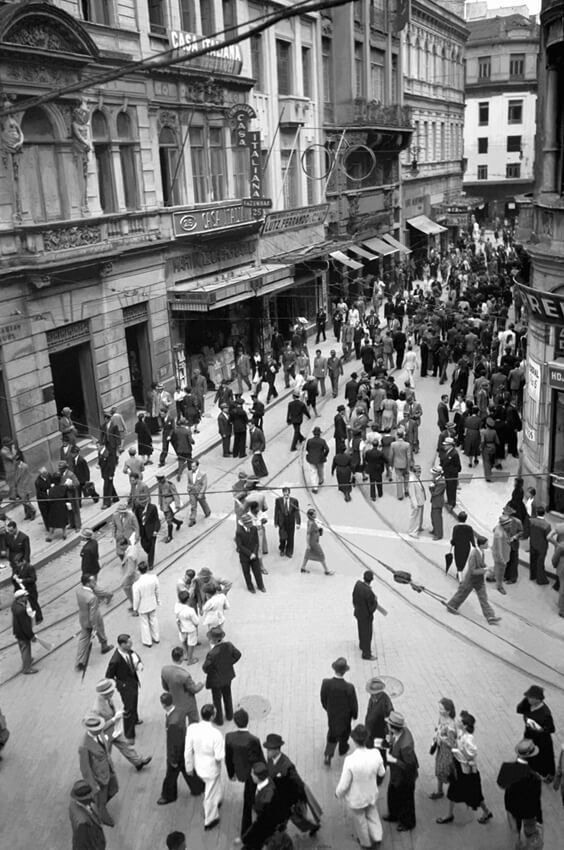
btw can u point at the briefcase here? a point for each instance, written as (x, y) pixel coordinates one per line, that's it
(195, 784)
(259, 466)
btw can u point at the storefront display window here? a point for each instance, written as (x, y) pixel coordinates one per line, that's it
(557, 471)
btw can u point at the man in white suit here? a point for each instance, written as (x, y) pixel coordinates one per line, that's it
(145, 593)
(204, 753)
(363, 772)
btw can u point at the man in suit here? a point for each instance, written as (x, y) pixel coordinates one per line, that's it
(290, 787)
(294, 417)
(219, 669)
(341, 430)
(123, 668)
(338, 698)
(243, 370)
(317, 452)
(90, 618)
(178, 682)
(270, 818)
(442, 412)
(247, 543)
(175, 744)
(320, 370)
(242, 751)
(204, 753)
(18, 544)
(89, 557)
(365, 604)
(400, 459)
(334, 369)
(437, 491)
(287, 517)
(403, 773)
(149, 525)
(225, 429)
(146, 599)
(197, 484)
(104, 707)
(22, 628)
(96, 765)
(86, 825)
(539, 529)
(239, 421)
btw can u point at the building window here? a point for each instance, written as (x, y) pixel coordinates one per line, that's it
(171, 170)
(188, 16)
(289, 159)
(327, 69)
(483, 114)
(284, 66)
(359, 68)
(517, 66)
(484, 67)
(482, 144)
(513, 170)
(199, 181)
(229, 14)
(96, 11)
(209, 169)
(218, 168)
(514, 144)
(257, 69)
(310, 170)
(157, 17)
(515, 112)
(207, 16)
(442, 141)
(482, 172)
(377, 78)
(40, 168)
(395, 94)
(306, 72)
(127, 160)
(241, 172)
(104, 165)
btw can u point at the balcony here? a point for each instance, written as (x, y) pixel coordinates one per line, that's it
(373, 114)
(294, 110)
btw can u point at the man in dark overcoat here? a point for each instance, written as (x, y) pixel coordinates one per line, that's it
(338, 698)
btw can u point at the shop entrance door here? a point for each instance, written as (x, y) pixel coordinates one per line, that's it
(74, 386)
(139, 359)
(556, 497)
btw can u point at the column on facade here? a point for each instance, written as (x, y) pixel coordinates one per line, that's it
(550, 147)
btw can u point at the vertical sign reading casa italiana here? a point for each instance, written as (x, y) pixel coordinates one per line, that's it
(241, 114)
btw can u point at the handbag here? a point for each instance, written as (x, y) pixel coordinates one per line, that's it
(433, 748)
(449, 558)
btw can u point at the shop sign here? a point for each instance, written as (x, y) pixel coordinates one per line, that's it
(257, 203)
(68, 335)
(223, 254)
(534, 374)
(11, 332)
(295, 219)
(210, 219)
(556, 376)
(548, 307)
(559, 341)
(226, 58)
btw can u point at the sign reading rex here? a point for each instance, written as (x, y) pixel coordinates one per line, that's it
(548, 307)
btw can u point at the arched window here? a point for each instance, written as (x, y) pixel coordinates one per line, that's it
(104, 165)
(41, 168)
(171, 176)
(127, 159)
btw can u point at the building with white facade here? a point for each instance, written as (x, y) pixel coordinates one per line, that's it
(500, 124)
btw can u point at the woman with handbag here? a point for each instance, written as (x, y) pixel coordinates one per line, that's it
(313, 551)
(462, 539)
(466, 787)
(443, 743)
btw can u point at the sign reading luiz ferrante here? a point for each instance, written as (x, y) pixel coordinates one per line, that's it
(547, 307)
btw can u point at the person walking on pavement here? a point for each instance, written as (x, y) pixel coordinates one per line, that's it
(334, 370)
(365, 605)
(129, 572)
(182, 442)
(522, 788)
(417, 498)
(187, 621)
(247, 543)
(9, 454)
(290, 787)
(88, 597)
(219, 666)
(320, 370)
(96, 765)
(124, 526)
(42, 484)
(169, 503)
(124, 668)
(294, 417)
(437, 492)
(539, 529)
(104, 707)
(242, 751)
(442, 413)
(343, 465)
(203, 754)
(86, 824)
(243, 371)
(225, 429)
(461, 540)
(515, 534)
(317, 452)
(146, 599)
(144, 439)
(24, 577)
(22, 629)
(175, 746)
(270, 371)
(89, 554)
(287, 517)
(199, 389)
(197, 484)
(362, 774)
(403, 773)
(400, 456)
(501, 550)
(340, 432)
(474, 580)
(339, 701)
(178, 682)
(18, 545)
(149, 523)
(313, 551)
(539, 728)
(107, 461)
(169, 424)
(239, 421)
(320, 323)
(450, 462)
(374, 464)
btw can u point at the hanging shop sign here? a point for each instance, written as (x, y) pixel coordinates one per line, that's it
(547, 307)
(556, 376)
(211, 219)
(257, 203)
(534, 379)
(295, 219)
(227, 59)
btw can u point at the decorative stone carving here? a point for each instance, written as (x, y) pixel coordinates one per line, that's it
(71, 237)
(81, 125)
(43, 35)
(106, 269)
(40, 281)
(204, 91)
(11, 136)
(168, 119)
(41, 74)
(326, 26)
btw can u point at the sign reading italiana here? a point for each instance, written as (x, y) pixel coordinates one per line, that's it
(225, 58)
(211, 219)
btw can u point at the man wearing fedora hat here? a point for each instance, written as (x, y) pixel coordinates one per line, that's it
(450, 462)
(378, 709)
(338, 698)
(522, 788)
(365, 604)
(437, 491)
(403, 773)
(96, 765)
(474, 580)
(88, 597)
(104, 707)
(501, 550)
(86, 825)
(124, 526)
(89, 555)
(290, 788)
(247, 542)
(219, 666)
(294, 417)
(363, 772)
(22, 628)
(539, 727)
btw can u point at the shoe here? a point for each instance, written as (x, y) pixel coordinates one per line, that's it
(436, 538)
(543, 582)
(449, 819)
(162, 801)
(502, 590)
(304, 571)
(389, 818)
(264, 571)
(30, 671)
(191, 523)
(329, 572)
(168, 539)
(211, 824)
(107, 648)
(251, 590)
(262, 589)
(314, 489)
(315, 830)
(80, 667)
(179, 523)
(436, 795)
(327, 761)
(490, 579)
(493, 620)
(451, 610)
(401, 828)
(485, 818)
(143, 763)
(139, 723)
(369, 657)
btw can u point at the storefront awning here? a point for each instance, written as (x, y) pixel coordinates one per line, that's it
(346, 261)
(233, 286)
(425, 225)
(367, 256)
(395, 244)
(379, 246)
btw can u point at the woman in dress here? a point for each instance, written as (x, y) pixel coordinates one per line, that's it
(539, 727)
(443, 744)
(144, 438)
(58, 514)
(342, 463)
(389, 413)
(313, 551)
(466, 787)
(462, 538)
(472, 437)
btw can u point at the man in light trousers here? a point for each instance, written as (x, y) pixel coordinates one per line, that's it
(145, 602)
(400, 458)
(203, 754)
(363, 771)
(417, 498)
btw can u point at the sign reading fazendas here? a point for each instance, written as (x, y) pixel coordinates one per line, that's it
(226, 58)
